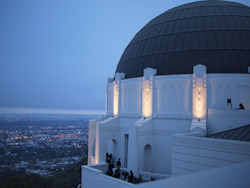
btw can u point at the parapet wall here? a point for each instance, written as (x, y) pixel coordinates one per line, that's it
(191, 153)
(93, 176)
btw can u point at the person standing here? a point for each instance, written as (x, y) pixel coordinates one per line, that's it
(131, 177)
(126, 177)
(118, 164)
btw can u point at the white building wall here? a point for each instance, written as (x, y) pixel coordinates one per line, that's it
(127, 128)
(164, 129)
(221, 87)
(173, 94)
(110, 98)
(193, 154)
(172, 113)
(107, 130)
(221, 120)
(130, 98)
(91, 142)
(228, 86)
(92, 139)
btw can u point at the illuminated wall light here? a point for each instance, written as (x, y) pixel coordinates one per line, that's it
(199, 103)
(147, 103)
(116, 101)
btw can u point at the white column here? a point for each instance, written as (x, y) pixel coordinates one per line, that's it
(147, 92)
(199, 99)
(109, 80)
(117, 93)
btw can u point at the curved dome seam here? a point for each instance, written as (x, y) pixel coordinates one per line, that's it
(186, 18)
(181, 32)
(168, 11)
(165, 52)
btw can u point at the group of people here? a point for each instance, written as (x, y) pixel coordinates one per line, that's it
(109, 160)
(127, 177)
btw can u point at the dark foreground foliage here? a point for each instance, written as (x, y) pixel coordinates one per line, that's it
(68, 178)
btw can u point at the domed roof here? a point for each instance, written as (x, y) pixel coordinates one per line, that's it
(212, 33)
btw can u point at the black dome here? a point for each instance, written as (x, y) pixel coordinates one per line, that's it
(213, 33)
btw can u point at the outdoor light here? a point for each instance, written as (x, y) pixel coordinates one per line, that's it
(116, 101)
(147, 102)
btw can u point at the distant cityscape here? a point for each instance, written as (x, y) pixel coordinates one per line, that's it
(43, 144)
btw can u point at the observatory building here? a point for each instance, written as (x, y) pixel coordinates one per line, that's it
(179, 102)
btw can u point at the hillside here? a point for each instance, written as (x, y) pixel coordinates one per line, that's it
(68, 178)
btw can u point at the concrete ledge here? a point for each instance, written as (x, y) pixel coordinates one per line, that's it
(193, 154)
(93, 176)
(233, 176)
(149, 175)
(219, 144)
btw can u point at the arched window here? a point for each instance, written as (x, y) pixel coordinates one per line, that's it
(147, 158)
(112, 149)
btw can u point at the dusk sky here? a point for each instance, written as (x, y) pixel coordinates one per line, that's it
(58, 54)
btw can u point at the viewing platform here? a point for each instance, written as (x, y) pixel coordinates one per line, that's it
(91, 173)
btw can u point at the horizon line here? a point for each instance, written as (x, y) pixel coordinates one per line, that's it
(20, 110)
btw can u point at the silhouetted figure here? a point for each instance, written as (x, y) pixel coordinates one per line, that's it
(131, 177)
(107, 158)
(118, 164)
(110, 156)
(126, 177)
(241, 107)
(111, 160)
(118, 172)
(110, 169)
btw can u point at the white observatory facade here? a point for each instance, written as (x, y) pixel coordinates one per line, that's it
(144, 113)
(179, 102)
